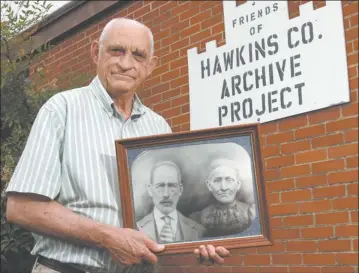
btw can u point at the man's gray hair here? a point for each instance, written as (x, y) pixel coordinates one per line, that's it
(167, 163)
(134, 22)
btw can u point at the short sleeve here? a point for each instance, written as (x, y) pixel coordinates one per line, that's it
(39, 168)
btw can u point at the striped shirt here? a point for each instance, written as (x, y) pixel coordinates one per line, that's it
(70, 157)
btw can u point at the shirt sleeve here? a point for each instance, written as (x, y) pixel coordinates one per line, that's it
(39, 168)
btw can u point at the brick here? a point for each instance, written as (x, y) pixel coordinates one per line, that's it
(169, 269)
(345, 150)
(334, 245)
(169, 57)
(355, 244)
(182, 7)
(348, 123)
(298, 220)
(268, 151)
(275, 223)
(270, 127)
(331, 191)
(190, 30)
(317, 232)
(350, 109)
(353, 84)
(319, 259)
(346, 231)
(341, 177)
(181, 119)
(352, 162)
(293, 171)
(293, 196)
(283, 209)
(292, 147)
(244, 269)
(285, 234)
(160, 70)
(302, 246)
(346, 203)
(337, 269)
(347, 258)
(162, 106)
(253, 259)
(211, 21)
(272, 269)
(311, 156)
(352, 189)
(271, 174)
(315, 206)
(329, 165)
(286, 258)
(332, 218)
(189, 13)
(279, 161)
(279, 138)
(328, 140)
(173, 112)
(292, 122)
(310, 131)
(179, 81)
(183, 99)
(351, 135)
(200, 17)
(354, 216)
(276, 247)
(351, 34)
(185, 108)
(173, 74)
(280, 185)
(304, 269)
(322, 116)
(273, 198)
(205, 34)
(179, 63)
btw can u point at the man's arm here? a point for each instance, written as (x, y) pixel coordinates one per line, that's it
(45, 216)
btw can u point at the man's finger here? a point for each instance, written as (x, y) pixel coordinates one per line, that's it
(213, 254)
(153, 246)
(150, 257)
(203, 252)
(223, 252)
(197, 253)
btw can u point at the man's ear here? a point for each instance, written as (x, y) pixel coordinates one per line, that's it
(207, 183)
(149, 190)
(239, 184)
(152, 64)
(95, 46)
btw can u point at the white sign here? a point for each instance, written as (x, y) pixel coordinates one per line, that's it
(271, 66)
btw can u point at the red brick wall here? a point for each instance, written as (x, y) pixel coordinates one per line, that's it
(310, 160)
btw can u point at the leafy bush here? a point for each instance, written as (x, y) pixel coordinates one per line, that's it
(20, 102)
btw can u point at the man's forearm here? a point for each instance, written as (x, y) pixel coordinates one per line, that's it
(50, 217)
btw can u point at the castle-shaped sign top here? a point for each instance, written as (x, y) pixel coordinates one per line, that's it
(271, 66)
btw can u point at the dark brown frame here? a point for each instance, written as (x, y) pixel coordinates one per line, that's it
(253, 130)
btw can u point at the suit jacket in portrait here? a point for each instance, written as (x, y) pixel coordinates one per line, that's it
(188, 230)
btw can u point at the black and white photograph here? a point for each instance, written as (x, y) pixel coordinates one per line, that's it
(195, 191)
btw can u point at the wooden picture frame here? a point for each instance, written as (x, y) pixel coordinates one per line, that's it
(201, 156)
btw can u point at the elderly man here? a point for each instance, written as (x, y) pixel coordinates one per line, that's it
(165, 224)
(225, 215)
(65, 186)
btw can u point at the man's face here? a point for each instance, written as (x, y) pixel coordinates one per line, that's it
(165, 188)
(123, 57)
(224, 184)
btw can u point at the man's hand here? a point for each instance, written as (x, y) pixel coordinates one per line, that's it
(210, 254)
(129, 246)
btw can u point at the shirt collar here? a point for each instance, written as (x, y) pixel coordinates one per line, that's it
(107, 103)
(158, 215)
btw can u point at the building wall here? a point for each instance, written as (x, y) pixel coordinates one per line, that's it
(310, 160)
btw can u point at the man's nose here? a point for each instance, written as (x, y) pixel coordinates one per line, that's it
(125, 62)
(224, 185)
(165, 192)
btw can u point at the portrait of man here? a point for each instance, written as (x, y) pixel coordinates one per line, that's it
(226, 215)
(165, 223)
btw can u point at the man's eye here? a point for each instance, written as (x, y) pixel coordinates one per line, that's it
(118, 50)
(217, 180)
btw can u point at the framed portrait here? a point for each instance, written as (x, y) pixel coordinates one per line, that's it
(199, 187)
